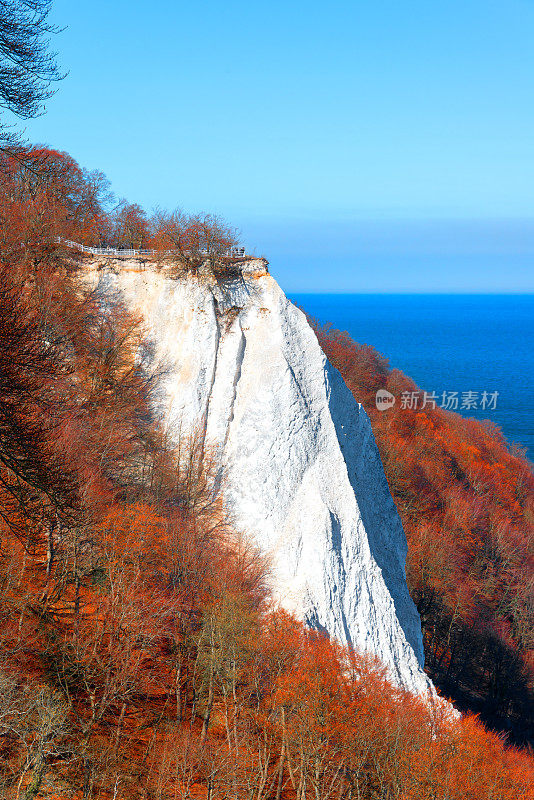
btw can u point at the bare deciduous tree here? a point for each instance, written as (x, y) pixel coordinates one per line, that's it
(27, 66)
(32, 729)
(191, 241)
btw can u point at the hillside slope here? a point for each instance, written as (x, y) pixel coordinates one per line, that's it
(466, 500)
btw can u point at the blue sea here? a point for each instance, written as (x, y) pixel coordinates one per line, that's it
(449, 343)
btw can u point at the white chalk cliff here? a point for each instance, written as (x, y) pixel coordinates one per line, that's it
(303, 476)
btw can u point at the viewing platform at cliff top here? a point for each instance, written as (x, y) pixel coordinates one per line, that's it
(234, 252)
(231, 264)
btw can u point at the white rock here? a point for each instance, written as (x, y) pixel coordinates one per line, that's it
(303, 475)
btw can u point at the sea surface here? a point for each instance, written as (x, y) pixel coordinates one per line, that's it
(449, 343)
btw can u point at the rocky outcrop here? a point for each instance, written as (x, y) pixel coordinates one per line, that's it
(302, 473)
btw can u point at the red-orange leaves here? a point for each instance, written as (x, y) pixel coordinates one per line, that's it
(466, 502)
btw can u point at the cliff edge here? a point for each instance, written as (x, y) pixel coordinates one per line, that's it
(302, 473)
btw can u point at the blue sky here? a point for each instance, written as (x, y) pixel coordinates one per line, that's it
(362, 146)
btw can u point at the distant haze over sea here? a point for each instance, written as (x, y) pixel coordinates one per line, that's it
(405, 256)
(449, 343)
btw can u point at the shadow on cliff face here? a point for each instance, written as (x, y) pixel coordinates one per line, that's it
(377, 508)
(312, 617)
(236, 291)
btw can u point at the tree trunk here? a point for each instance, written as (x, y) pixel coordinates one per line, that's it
(87, 780)
(50, 548)
(119, 726)
(282, 758)
(37, 776)
(178, 690)
(209, 706)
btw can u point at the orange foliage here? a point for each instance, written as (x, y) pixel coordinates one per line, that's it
(466, 500)
(138, 654)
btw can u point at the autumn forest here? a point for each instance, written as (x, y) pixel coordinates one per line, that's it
(142, 656)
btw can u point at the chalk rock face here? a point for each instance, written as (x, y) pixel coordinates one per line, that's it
(302, 473)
